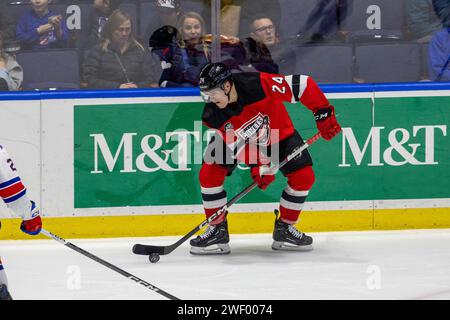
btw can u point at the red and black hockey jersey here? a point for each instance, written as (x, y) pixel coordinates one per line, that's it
(260, 107)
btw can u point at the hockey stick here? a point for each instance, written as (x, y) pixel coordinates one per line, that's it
(107, 264)
(154, 251)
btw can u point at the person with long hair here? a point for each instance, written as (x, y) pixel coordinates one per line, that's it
(183, 61)
(118, 60)
(11, 73)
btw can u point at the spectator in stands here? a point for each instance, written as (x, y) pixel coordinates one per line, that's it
(250, 9)
(329, 14)
(7, 24)
(439, 47)
(183, 61)
(11, 73)
(266, 51)
(119, 60)
(41, 28)
(421, 20)
(98, 17)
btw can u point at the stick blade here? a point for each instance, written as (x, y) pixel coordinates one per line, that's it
(147, 250)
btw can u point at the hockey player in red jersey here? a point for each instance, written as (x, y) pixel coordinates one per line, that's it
(13, 193)
(248, 109)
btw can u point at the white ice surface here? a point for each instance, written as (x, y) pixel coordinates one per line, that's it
(411, 264)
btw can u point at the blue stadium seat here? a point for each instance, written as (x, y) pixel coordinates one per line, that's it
(389, 62)
(45, 69)
(85, 9)
(86, 6)
(380, 17)
(326, 63)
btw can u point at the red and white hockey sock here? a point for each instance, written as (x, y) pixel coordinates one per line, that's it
(291, 204)
(295, 194)
(212, 177)
(214, 199)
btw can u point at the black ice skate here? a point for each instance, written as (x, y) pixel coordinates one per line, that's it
(4, 294)
(287, 237)
(213, 241)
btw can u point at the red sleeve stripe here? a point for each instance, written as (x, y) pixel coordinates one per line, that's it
(9, 192)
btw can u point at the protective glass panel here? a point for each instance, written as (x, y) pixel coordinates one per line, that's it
(166, 43)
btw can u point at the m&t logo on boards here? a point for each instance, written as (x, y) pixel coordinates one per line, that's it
(397, 147)
(152, 152)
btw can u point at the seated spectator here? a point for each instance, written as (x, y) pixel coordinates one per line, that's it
(421, 20)
(250, 9)
(119, 60)
(7, 24)
(98, 17)
(183, 61)
(266, 51)
(439, 55)
(41, 28)
(11, 74)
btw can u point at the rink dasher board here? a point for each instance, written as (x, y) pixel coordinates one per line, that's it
(46, 149)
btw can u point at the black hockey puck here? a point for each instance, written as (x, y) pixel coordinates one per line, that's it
(154, 258)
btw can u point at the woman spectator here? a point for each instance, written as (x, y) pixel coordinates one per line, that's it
(11, 74)
(119, 60)
(183, 61)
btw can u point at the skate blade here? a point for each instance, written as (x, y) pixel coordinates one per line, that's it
(215, 249)
(286, 246)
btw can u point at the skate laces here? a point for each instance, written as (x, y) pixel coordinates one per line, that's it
(209, 231)
(295, 232)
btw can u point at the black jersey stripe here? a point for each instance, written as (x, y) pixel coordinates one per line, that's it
(296, 86)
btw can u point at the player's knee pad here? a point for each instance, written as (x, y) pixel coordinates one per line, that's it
(302, 179)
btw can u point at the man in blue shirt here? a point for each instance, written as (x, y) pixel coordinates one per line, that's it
(41, 28)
